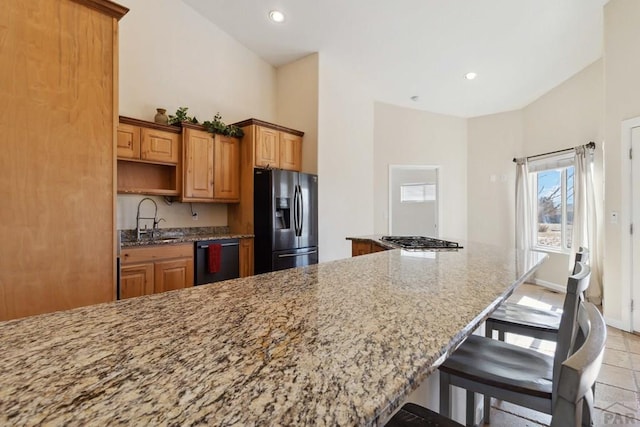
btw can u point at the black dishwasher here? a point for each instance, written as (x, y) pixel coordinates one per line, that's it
(229, 267)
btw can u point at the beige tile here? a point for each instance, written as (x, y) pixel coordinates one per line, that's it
(614, 332)
(617, 358)
(634, 344)
(617, 377)
(616, 343)
(500, 418)
(553, 298)
(607, 395)
(635, 360)
(536, 417)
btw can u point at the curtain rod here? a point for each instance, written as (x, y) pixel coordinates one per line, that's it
(591, 145)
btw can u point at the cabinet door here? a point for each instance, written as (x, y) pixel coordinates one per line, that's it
(290, 152)
(226, 168)
(159, 146)
(198, 165)
(267, 148)
(136, 280)
(246, 257)
(128, 141)
(360, 248)
(173, 274)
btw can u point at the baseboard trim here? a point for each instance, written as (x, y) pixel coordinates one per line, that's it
(616, 323)
(552, 286)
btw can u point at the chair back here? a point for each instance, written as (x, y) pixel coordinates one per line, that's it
(582, 255)
(567, 332)
(574, 401)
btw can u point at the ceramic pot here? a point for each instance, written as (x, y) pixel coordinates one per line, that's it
(161, 116)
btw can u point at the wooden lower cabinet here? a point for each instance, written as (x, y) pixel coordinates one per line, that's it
(365, 247)
(153, 269)
(246, 257)
(136, 280)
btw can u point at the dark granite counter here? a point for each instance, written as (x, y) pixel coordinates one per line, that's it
(338, 343)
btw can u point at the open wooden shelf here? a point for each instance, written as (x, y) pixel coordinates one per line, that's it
(148, 178)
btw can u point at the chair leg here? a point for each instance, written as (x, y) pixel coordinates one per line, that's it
(445, 394)
(500, 334)
(486, 414)
(471, 409)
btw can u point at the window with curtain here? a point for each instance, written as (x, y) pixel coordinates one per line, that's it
(552, 182)
(417, 193)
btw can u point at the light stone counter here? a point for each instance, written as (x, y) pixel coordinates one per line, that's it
(339, 343)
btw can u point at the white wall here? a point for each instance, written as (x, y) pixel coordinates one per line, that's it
(297, 105)
(404, 136)
(622, 101)
(345, 158)
(493, 142)
(170, 57)
(566, 116)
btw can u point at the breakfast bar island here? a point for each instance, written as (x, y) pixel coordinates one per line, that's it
(337, 343)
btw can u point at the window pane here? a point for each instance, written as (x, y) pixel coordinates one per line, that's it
(414, 193)
(550, 209)
(569, 205)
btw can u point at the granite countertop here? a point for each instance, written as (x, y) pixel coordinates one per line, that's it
(166, 236)
(337, 343)
(376, 238)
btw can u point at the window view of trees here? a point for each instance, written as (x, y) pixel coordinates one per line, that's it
(555, 207)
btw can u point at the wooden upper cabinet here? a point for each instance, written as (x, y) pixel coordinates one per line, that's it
(273, 146)
(149, 158)
(211, 166)
(128, 141)
(159, 146)
(290, 152)
(226, 169)
(197, 165)
(267, 148)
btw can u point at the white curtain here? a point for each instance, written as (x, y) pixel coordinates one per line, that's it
(524, 218)
(585, 232)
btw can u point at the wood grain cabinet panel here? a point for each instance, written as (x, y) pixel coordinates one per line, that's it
(360, 248)
(290, 152)
(173, 274)
(246, 257)
(59, 62)
(136, 280)
(198, 165)
(128, 141)
(226, 167)
(267, 148)
(159, 146)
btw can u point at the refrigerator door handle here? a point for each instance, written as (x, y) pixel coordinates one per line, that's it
(300, 211)
(296, 210)
(300, 254)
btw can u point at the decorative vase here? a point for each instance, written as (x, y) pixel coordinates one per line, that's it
(161, 116)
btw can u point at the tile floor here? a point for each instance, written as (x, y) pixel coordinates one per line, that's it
(617, 399)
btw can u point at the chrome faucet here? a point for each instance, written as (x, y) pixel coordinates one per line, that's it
(154, 220)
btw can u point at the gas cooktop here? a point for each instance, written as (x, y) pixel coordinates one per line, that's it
(420, 242)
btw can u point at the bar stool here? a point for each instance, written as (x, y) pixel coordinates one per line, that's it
(574, 402)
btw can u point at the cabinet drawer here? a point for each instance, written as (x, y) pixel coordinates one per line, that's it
(159, 146)
(155, 252)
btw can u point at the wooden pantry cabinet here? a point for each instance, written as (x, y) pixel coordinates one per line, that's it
(157, 268)
(59, 91)
(211, 166)
(148, 158)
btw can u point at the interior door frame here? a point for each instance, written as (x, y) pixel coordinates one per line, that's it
(415, 167)
(626, 218)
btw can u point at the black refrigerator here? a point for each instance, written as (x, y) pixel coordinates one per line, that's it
(285, 216)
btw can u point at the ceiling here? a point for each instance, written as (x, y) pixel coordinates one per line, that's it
(520, 49)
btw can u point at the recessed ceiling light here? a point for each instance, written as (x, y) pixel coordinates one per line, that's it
(276, 16)
(470, 76)
(415, 98)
